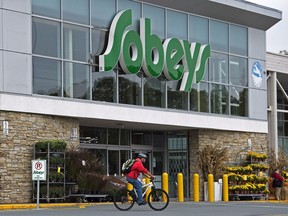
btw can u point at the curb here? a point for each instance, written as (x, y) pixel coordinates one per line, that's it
(44, 205)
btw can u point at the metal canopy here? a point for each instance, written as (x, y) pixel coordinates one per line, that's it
(235, 11)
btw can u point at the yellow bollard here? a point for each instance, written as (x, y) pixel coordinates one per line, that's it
(148, 192)
(210, 188)
(129, 187)
(180, 187)
(165, 184)
(225, 188)
(196, 187)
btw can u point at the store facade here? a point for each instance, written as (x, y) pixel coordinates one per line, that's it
(121, 77)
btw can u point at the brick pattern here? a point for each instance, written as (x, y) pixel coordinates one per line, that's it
(16, 150)
(236, 142)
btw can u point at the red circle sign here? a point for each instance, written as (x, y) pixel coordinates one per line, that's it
(38, 166)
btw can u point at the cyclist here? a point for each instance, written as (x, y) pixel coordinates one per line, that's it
(132, 176)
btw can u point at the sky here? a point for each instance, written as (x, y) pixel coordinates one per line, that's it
(277, 35)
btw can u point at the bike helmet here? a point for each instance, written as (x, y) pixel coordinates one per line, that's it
(141, 155)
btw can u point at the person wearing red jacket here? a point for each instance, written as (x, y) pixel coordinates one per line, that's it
(277, 183)
(132, 176)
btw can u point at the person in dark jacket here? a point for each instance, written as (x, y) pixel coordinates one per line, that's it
(277, 183)
(132, 176)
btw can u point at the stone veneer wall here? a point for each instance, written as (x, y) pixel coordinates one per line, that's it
(237, 143)
(16, 150)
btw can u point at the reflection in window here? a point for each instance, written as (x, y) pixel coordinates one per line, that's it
(76, 43)
(99, 39)
(177, 25)
(157, 16)
(92, 135)
(113, 162)
(176, 99)
(102, 154)
(157, 163)
(219, 36)
(46, 76)
(49, 8)
(124, 137)
(238, 40)
(199, 97)
(76, 81)
(136, 12)
(198, 30)
(113, 136)
(219, 99)
(102, 18)
(158, 139)
(218, 68)
(142, 138)
(104, 86)
(76, 11)
(154, 91)
(238, 71)
(239, 101)
(46, 37)
(130, 89)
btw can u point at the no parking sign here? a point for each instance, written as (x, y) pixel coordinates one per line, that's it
(39, 170)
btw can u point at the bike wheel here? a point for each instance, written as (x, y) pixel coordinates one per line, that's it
(122, 200)
(158, 199)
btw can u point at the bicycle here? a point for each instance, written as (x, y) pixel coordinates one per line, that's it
(157, 199)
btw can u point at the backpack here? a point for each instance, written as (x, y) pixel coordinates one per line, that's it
(127, 165)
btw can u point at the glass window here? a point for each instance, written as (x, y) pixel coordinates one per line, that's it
(158, 163)
(157, 16)
(76, 81)
(130, 89)
(238, 40)
(102, 18)
(142, 138)
(218, 68)
(158, 139)
(136, 12)
(76, 11)
(238, 71)
(49, 8)
(198, 30)
(99, 41)
(92, 135)
(113, 136)
(76, 43)
(239, 101)
(154, 91)
(124, 137)
(104, 86)
(113, 162)
(47, 79)
(199, 97)
(102, 155)
(176, 99)
(177, 25)
(219, 36)
(46, 37)
(219, 99)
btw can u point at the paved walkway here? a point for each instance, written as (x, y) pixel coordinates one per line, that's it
(83, 205)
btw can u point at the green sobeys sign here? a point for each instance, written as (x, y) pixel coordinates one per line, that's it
(175, 58)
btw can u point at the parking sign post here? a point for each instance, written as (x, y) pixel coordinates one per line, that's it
(38, 174)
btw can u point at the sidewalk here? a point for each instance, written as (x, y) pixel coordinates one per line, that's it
(84, 205)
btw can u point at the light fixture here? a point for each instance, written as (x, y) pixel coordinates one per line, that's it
(5, 126)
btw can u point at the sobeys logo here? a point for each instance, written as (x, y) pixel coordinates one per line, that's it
(176, 58)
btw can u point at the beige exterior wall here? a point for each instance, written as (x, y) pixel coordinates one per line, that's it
(237, 143)
(16, 150)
